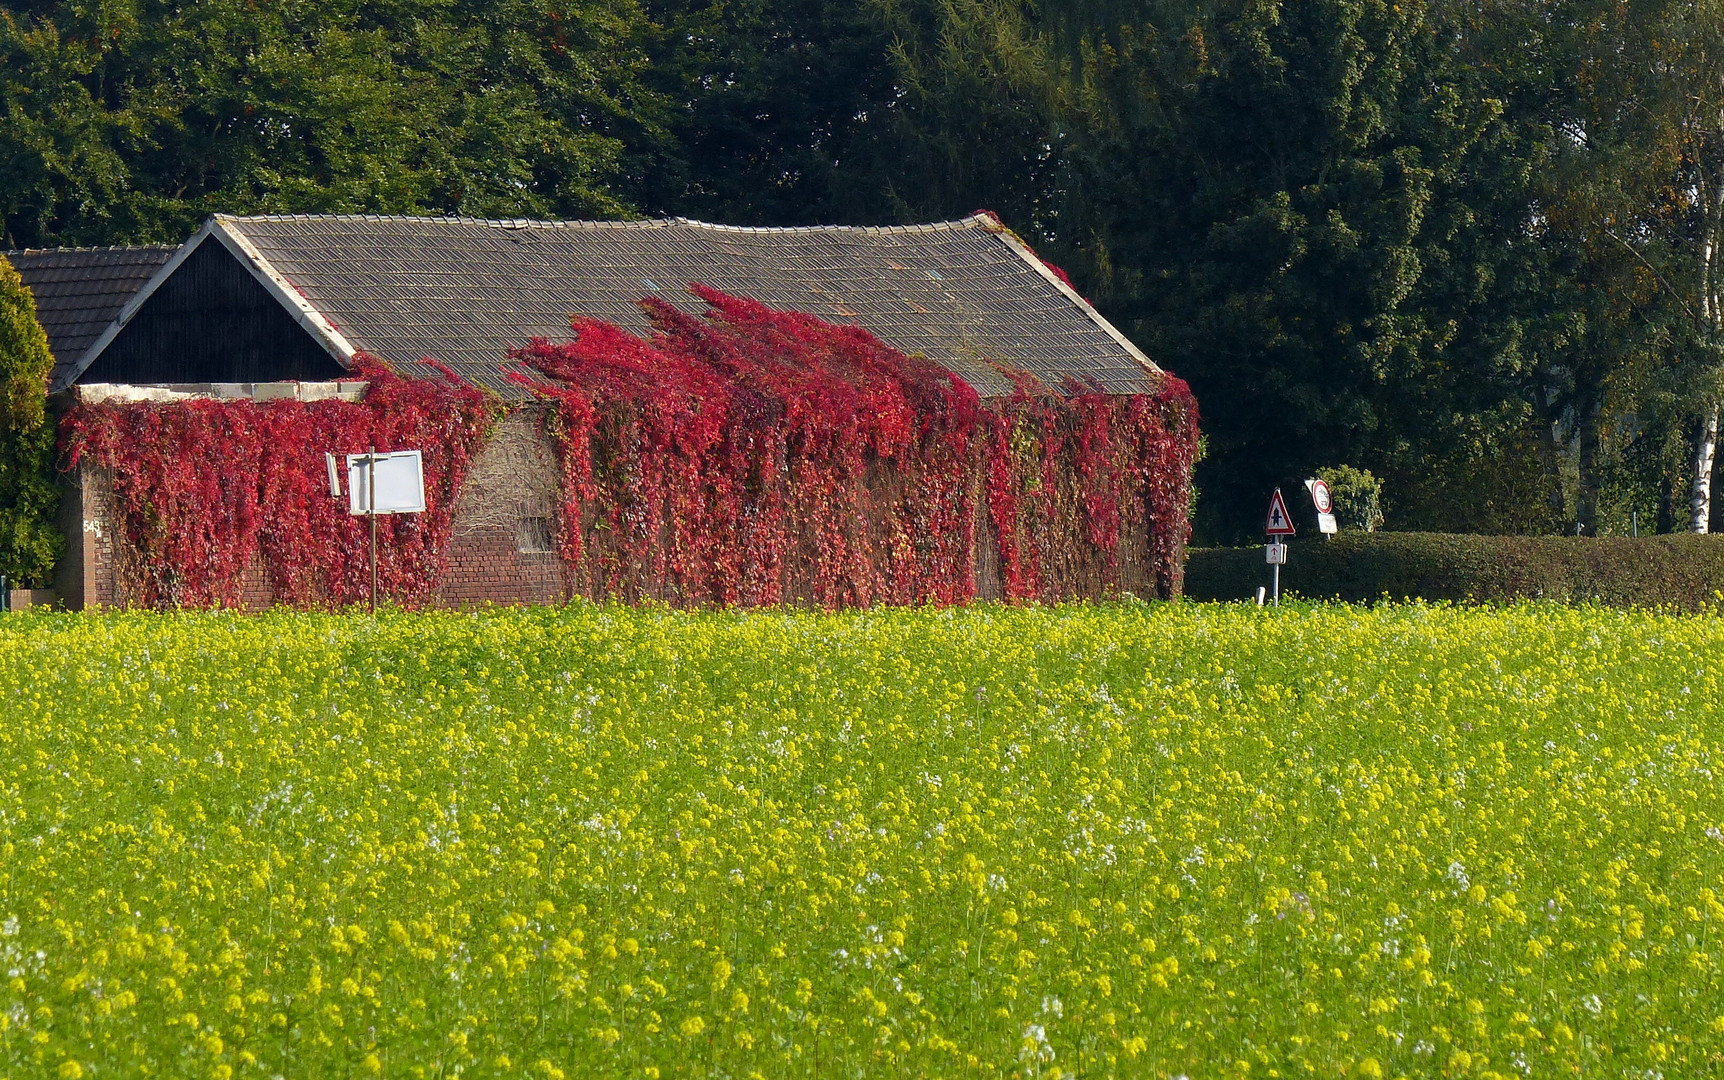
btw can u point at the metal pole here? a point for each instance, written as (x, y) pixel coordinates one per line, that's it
(371, 512)
(1277, 584)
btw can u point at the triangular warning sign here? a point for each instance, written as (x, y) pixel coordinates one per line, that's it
(1279, 523)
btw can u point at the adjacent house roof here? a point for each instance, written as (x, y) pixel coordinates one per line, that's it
(465, 291)
(79, 291)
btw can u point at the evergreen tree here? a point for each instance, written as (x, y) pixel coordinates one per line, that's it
(801, 112)
(29, 539)
(1282, 202)
(776, 105)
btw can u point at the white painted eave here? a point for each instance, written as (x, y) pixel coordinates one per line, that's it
(314, 321)
(1008, 238)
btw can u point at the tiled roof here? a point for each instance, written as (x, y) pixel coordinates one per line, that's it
(465, 291)
(80, 290)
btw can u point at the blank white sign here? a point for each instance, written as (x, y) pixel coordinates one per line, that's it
(400, 483)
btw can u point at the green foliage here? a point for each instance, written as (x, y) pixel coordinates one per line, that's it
(1295, 207)
(1495, 478)
(798, 112)
(130, 122)
(29, 540)
(966, 842)
(1466, 247)
(1357, 497)
(780, 117)
(1682, 571)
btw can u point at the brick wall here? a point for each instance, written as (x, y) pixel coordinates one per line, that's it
(90, 573)
(506, 505)
(487, 567)
(85, 575)
(501, 551)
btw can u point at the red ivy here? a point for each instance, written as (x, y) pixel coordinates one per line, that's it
(758, 456)
(205, 489)
(750, 457)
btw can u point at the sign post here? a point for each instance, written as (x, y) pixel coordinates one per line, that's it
(371, 512)
(1279, 525)
(1325, 506)
(387, 483)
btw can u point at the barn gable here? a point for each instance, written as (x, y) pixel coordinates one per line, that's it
(966, 294)
(210, 320)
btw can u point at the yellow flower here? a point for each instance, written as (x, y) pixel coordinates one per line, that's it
(963, 835)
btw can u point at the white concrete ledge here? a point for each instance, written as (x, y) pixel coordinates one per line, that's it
(126, 393)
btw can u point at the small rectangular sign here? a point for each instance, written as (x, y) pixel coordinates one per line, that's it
(1326, 523)
(1276, 554)
(400, 483)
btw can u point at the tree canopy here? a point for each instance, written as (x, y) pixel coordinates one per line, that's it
(1467, 245)
(128, 122)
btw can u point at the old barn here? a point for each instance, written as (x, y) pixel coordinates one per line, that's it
(281, 312)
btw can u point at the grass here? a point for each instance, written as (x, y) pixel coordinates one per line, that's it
(1134, 840)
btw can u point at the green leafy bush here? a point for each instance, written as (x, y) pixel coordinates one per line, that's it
(1357, 495)
(29, 541)
(1682, 570)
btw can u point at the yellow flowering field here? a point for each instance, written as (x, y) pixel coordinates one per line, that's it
(1152, 840)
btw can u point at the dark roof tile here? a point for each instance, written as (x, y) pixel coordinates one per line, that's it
(466, 291)
(79, 291)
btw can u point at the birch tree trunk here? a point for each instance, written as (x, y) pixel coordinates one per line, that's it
(1711, 190)
(1705, 452)
(1706, 438)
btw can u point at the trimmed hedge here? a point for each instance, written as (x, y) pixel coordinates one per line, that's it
(1683, 570)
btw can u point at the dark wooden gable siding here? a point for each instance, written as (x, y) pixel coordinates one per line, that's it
(212, 321)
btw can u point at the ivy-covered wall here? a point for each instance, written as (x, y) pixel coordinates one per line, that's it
(749, 457)
(202, 491)
(757, 456)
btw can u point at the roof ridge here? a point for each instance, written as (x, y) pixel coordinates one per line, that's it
(634, 223)
(406, 286)
(92, 247)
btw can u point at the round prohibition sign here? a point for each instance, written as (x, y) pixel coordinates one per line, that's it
(1320, 496)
